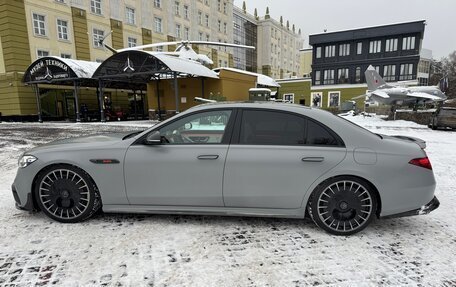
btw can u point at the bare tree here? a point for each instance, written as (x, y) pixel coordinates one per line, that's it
(445, 68)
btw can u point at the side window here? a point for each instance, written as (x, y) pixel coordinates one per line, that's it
(200, 128)
(318, 135)
(271, 128)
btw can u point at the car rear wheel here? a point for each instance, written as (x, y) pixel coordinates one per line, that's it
(343, 205)
(66, 194)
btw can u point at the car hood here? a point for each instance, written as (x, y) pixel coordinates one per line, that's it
(94, 141)
(421, 143)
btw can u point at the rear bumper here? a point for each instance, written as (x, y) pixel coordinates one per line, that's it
(425, 209)
(28, 205)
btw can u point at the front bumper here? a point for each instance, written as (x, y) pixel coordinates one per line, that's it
(425, 209)
(28, 205)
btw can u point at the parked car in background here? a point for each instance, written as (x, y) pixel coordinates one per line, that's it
(243, 159)
(444, 117)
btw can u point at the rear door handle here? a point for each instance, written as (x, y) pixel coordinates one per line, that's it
(208, 157)
(313, 159)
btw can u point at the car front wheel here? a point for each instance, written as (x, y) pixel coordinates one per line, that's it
(343, 205)
(66, 193)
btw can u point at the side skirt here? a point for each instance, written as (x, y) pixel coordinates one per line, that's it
(190, 210)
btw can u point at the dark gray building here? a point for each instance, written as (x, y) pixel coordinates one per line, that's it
(342, 57)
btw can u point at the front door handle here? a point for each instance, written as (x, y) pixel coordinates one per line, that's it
(313, 159)
(208, 157)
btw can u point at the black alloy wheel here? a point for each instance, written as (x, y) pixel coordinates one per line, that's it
(66, 194)
(343, 205)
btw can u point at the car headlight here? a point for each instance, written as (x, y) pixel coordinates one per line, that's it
(26, 160)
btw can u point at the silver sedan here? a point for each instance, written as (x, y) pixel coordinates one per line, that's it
(249, 159)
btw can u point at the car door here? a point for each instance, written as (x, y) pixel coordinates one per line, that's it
(186, 169)
(274, 158)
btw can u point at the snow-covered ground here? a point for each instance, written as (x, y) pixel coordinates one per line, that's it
(159, 250)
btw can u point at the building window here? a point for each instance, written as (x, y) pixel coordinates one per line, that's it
(200, 36)
(389, 73)
(358, 75)
(317, 78)
(359, 48)
(42, 53)
(289, 97)
(333, 99)
(219, 25)
(316, 99)
(39, 24)
(406, 72)
(206, 18)
(187, 33)
(330, 51)
(391, 45)
(178, 31)
(132, 42)
(375, 46)
(95, 6)
(130, 15)
(318, 53)
(65, 55)
(408, 43)
(225, 30)
(98, 36)
(158, 25)
(328, 77)
(344, 50)
(219, 5)
(200, 17)
(62, 29)
(424, 66)
(157, 3)
(208, 37)
(343, 76)
(186, 12)
(176, 8)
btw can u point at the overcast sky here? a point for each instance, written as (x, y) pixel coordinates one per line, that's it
(315, 16)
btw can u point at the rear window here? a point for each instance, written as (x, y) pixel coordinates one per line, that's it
(318, 135)
(279, 128)
(272, 128)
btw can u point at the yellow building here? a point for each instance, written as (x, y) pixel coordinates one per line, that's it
(31, 29)
(305, 67)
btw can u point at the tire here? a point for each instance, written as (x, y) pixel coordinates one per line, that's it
(66, 194)
(343, 205)
(433, 126)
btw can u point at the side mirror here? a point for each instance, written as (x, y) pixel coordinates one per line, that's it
(153, 138)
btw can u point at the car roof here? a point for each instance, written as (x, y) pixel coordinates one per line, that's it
(251, 104)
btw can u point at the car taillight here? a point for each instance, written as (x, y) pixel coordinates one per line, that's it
(422, 162)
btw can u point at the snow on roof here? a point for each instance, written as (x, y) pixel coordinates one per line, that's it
(83, 69)
(261, 79)
(184, 66)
